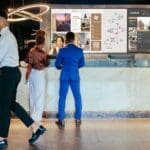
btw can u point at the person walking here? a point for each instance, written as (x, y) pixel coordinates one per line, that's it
(37, 62)
(9, 79)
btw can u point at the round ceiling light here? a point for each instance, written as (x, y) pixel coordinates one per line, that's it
(27, 13)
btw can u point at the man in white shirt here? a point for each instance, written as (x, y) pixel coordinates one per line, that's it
(9, 79)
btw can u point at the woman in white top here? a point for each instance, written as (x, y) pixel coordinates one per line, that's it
(59, 44)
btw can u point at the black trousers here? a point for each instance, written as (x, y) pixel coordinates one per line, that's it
(9, 80)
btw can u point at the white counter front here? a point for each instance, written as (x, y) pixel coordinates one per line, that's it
(103, 89)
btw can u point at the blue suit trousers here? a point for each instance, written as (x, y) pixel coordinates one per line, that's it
(75, 87)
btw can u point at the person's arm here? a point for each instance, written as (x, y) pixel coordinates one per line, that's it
(46, 60)
(29, 68)
(4, 47)
(81, 61)
(51, 52)
(58, 63)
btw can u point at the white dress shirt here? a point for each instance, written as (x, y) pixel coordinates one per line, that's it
(8, 49)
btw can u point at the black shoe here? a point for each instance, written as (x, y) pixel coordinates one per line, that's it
(3, 144)
(37, 134)
(78, 122)
(60, 123)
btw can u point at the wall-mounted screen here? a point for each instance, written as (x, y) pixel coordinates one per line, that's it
(97, 30)
(139, 30)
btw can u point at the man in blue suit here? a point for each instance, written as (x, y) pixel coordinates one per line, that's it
(69, 60)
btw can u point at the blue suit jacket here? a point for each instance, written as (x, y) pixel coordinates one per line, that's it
(70, 59)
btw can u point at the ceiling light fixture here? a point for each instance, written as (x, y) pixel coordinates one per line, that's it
(27, 13)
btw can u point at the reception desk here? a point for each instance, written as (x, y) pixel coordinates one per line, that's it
(106, 91)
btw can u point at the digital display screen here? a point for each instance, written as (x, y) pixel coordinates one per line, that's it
(96, 30)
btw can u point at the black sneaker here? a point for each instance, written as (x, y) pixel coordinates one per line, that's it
(78, 122)
(37, 134)
(60, 123)
(3, 144)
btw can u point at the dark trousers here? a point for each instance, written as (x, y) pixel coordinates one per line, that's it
(9, 80)
(75, 87)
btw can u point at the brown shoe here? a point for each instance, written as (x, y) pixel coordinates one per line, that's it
(78, 122)
(60, 123)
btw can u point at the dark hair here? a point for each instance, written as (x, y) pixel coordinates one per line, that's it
(62, 39)
(39, 37)
(40, 40)
(31, 44)
(70, 37)
(39, 33)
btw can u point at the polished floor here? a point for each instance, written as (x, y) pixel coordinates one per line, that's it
(130, 134)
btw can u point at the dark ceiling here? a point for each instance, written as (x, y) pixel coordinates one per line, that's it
(7, 3)
(15, 3)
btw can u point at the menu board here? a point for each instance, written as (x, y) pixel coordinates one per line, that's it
(138, 30)
(96, 30)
